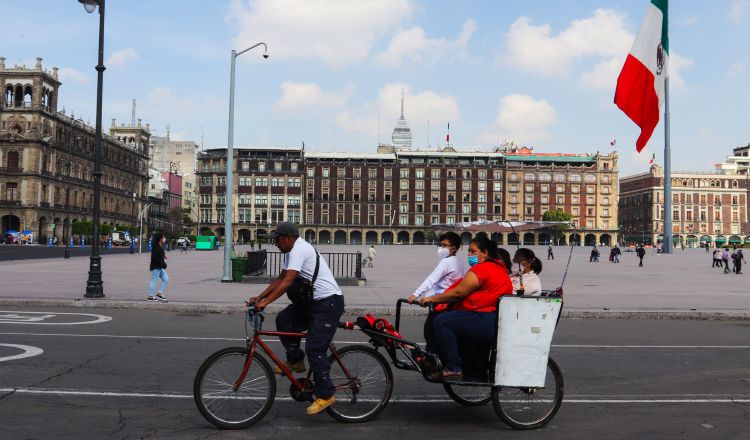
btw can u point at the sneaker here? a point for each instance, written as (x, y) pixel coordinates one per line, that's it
(161, 297)
(319, 405)
(151, 298)
(294, 367)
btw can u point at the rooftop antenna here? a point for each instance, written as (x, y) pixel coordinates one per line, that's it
(428, 134)
(132, 115)
(169, 127)
(203, 135)
(402, 103)
(378, 128)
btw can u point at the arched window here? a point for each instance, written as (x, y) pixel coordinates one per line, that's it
(27, 96)
(12, 159)
(9, 96)
(18, 96)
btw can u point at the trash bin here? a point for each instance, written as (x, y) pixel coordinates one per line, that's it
(238, 269)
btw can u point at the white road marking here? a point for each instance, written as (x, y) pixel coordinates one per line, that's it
(15, 317)
(200, 338)
(404, 399)
(28, 351)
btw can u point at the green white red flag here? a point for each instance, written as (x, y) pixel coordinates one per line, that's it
(641, 84)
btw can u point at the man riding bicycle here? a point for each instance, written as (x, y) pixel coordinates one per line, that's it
(318, 316)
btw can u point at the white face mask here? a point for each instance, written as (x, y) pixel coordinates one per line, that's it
(443, 252)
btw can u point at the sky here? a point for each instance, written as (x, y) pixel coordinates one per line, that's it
(542, 73)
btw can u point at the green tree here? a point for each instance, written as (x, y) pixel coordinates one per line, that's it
(105, 229)
(557, 215)
(83, 228)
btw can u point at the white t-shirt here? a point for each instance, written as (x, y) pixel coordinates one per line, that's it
(532, 284)
(448, 271)
(302, 259)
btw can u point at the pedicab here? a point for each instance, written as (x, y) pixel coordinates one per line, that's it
(235, 387)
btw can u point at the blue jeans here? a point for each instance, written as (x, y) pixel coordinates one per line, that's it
(320, 321)
(453, 327)
(155, 275)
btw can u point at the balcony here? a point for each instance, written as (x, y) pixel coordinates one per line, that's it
(11, 170)
(4, 202)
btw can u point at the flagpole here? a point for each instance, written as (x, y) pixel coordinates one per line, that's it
(668, 241)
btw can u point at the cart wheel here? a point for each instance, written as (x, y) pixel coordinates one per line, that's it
(530, 408)
(469, 395)
(363, 390)
(214, 394)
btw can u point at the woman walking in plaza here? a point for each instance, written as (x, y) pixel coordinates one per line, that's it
(158, 268)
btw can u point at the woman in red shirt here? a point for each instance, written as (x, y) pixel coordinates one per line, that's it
(474, 299)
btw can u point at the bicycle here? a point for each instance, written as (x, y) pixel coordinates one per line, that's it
(235, 387)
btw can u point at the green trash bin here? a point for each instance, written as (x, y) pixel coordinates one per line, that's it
(238, 269)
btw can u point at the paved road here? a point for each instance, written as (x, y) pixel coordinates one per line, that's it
(124, 374)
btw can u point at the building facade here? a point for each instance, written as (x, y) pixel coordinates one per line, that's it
(707, 207)
(47, 160)
(396, 194)
(177, 157)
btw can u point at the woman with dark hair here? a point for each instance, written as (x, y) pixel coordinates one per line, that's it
(158, 268)
(474, 299)
(526, 281)
(504, 257)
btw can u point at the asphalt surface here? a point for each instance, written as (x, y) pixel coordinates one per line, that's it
(21, 252)
(125, 374)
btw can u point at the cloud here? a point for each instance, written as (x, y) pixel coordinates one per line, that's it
(678, 63)
(419, 107)
(688, 21)
(120, 57)
(414, 45)
(738, 10)
(71, 74)
(297, 96)
(337, 32)
(534, 49)
(736, 70)
(522, 118)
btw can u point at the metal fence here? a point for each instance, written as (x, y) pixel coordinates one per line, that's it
(342, 265)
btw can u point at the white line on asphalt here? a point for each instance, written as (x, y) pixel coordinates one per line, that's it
(199, 338)
(28, 351)
(15, 317)
(405, 399)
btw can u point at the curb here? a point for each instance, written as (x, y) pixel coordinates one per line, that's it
(373, 309)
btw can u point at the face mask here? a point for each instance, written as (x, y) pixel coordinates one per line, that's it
(443, 252)
(473, 259)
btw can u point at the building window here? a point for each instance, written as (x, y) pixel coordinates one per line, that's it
(261, 166)
(311, 172)
(435, 173)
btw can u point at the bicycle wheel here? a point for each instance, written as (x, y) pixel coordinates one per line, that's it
(469, 395)
(214, 394)
(530, 408)
(362, 397)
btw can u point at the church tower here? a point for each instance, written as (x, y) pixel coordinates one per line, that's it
(401, 137)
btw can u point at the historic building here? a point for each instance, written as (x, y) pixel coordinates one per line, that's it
(707, 207)
(177, 157)
(47, 160)
(394, 195)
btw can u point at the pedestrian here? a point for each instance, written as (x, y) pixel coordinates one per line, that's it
(716, 258)
(158, 268)
(641, 253)
(739, 260)
(305, 274)
(706, 247)
(618, 252)
(372, 254)
(725, 259)
(550, 255)
(592, 257)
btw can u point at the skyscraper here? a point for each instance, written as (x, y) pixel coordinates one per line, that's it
(401, 137)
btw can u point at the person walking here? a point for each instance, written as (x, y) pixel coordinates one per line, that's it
(641, 253)
(550, 255)
(371, 253)
(319, 315)
(725, 259)
(739, 259)
(716, 258)
(158, 268)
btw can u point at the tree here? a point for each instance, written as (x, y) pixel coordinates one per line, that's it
(557, 215)
(105, 229)
(83, 228)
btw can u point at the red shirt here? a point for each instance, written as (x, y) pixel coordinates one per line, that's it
(493, 282)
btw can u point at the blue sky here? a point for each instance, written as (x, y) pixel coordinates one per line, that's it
(540, 72)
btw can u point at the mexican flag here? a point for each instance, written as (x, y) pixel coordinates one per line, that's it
(640, 86)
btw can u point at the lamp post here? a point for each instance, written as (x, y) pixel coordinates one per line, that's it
(94, 284)
(228, 234)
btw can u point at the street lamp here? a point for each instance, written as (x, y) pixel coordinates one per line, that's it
(227, 277)
(94, 284)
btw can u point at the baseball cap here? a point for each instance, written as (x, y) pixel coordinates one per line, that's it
(285, 228)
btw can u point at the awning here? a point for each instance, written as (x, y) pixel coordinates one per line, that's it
(498, 226)
(706, 239)
(735, 239)
(720, 240)
(747, 240)
(692, 240)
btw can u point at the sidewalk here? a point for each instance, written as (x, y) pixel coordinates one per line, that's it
(679, 285)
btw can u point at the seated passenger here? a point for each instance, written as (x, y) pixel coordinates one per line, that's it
(448, 271)
(527, 280)
(474, 298)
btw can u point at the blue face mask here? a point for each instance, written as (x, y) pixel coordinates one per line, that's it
(473, 259)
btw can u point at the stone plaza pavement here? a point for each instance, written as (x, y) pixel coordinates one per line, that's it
(683, 283)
